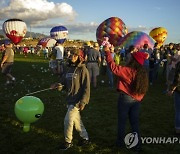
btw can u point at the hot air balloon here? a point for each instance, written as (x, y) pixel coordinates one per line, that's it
(159, 34)
(136, 38)
(113, 28)
(15, 29)
(59, 33)
(47, 42)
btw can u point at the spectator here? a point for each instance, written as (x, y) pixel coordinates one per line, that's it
(93, 59)
(76, 81)
(7, 62)
(132, 86)
(59, 57)
(175, 88)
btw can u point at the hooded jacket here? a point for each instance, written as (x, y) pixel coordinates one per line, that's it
(77, 83)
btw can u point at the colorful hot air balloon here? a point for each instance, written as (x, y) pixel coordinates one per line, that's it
(47, 42)
(59, 33)
(136, 38)
(15, 29)
(113, 28)
(159, 34)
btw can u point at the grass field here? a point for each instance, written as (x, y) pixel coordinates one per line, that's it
(99, 117)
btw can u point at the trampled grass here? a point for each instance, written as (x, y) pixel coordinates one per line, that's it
(99, 117)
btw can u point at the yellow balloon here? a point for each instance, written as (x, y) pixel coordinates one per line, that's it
(159, 34)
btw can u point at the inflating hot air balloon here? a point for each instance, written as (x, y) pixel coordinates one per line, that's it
(159, 34)
(136, 38)
(47, 42)
(15, 29)
(59, 33)
(113, 28)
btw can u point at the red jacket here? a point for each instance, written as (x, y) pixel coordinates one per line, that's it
(125, 77)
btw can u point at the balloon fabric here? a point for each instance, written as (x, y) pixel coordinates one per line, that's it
(159, 34)
(136, 38)
(15, 29)
(59, 33)
(113, 28)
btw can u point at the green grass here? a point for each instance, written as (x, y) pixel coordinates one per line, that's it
(99, 117)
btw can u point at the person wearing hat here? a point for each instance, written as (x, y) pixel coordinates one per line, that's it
(7, 62)
(77, 83)
(132, 85)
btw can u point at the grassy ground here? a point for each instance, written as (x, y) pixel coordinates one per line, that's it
(99, 117)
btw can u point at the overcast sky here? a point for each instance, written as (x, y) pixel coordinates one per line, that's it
(82, 17)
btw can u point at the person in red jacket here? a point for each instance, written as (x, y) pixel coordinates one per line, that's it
(132, 85)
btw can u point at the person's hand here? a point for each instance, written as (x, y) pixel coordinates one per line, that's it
(57, 86)
(2, 65)
(81, 106)
(169, 93)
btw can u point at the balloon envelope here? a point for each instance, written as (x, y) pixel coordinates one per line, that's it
(59, 33)
(15, 29)
(47, 42)
(136, 38)
(113, 28)
(159, 34)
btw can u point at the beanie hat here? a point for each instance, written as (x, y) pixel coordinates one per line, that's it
(140, 57)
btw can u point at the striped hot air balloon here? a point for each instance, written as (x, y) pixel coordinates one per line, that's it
(59, 33)
(15, 29)
(113, 28)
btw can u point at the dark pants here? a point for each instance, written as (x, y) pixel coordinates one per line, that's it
(127, 108)
(6, 69)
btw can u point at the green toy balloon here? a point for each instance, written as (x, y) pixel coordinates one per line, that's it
(28, 109)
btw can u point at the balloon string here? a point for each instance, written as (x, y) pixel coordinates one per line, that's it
(43, 90)
(39, 91)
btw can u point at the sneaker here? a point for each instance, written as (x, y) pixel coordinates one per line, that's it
(66, 146)
(83, 142)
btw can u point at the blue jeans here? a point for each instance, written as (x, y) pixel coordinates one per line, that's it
(127, 107)
(177, 109)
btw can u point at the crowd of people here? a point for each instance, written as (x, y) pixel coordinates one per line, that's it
(134, 70)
